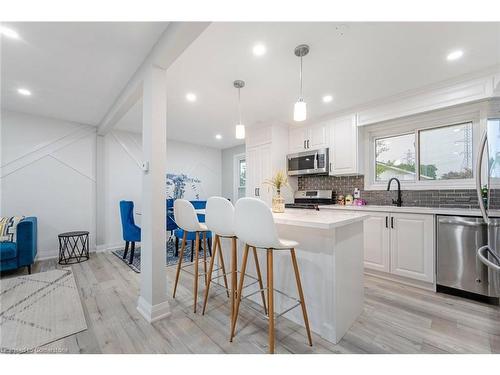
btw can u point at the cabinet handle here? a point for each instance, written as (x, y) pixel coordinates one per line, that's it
(308, 143)
(305, 144)
(330, 166)
(392, 222)
(258, 192)
(255, 192)
(387, 221)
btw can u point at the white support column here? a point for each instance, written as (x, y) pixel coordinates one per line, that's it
(100, 193)
(153, 304)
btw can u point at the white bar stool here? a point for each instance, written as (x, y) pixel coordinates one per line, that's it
(254, 225)
(186, 218)
(219, 217)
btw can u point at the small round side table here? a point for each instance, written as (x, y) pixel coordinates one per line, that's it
(73, 247)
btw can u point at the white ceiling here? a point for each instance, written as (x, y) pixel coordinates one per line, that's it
(369, 61)
(75, 70)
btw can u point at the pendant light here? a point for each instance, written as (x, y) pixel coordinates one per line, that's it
(300, 109)
(240, 128)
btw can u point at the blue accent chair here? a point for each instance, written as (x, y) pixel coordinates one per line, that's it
(171, 225)
(191, 236)
(21, 253)
(131, 232)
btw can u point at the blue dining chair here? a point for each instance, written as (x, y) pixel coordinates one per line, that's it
(131, 232)
(171, 225)
(191, 236)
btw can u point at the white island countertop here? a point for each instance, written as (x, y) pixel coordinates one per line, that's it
(322, 219)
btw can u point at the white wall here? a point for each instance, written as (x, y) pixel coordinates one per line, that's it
(228, 170)
(123, 153)
(48, 171)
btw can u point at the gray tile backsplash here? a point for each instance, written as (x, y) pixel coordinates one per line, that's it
(462, 198)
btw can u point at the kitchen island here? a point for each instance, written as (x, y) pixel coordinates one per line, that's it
(330, 257)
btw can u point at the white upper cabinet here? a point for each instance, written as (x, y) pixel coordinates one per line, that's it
(344, 155)
(318, 136)
(339, 135)
(308, 138)
(297, 139)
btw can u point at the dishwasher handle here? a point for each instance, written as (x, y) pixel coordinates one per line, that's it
(465, 223)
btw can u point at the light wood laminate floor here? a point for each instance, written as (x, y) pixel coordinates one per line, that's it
(395, 319)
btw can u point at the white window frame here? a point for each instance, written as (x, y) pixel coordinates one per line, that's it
(415, 124)
(236, 175)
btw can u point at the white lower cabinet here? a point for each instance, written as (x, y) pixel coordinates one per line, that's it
(412, 246)
(400, 244)
(376, 237)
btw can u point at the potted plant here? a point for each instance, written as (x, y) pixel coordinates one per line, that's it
(278, 181)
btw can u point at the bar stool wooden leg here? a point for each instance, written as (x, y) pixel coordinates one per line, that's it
(210, 269)
(259, 277)
(301, 295)
(221, 258)
(234, 276)
(196, 254)
(270, 299)
(205, 250)
(179, 263)
(240, 288)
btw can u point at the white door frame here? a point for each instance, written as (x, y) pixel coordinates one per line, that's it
(236, 174)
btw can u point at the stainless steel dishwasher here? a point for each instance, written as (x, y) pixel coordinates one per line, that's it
(458, 239)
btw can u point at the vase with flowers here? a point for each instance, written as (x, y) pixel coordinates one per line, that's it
(278, 182)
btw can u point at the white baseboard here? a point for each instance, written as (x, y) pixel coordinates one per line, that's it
(55, 255)
(109, 247)
(401, 280)
(153, 313)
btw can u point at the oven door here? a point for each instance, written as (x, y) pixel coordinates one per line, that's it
(308, 162)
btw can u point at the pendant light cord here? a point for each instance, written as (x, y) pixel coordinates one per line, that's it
(300, 98)
(239, 103)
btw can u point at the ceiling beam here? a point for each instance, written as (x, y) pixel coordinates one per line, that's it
(496, 84)
(171, 44)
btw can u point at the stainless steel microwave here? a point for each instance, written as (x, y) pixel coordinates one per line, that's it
(308, 162)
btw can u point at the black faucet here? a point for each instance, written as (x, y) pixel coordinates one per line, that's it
(398, 202)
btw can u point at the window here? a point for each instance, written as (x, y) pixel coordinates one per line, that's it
(446, 152)
(240, 176)
(395, 157)
(242, 173)
(425, 156)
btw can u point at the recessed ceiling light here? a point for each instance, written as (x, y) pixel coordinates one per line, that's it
(218, 136)
(259, 49)
(455, 55)
(24, 92)
(190, 97)
(8, 32)
(327, 98)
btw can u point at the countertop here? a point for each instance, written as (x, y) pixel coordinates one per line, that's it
(324, 219)
(410, 209)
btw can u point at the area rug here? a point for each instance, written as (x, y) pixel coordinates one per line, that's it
(38, 309)
(171, 259)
